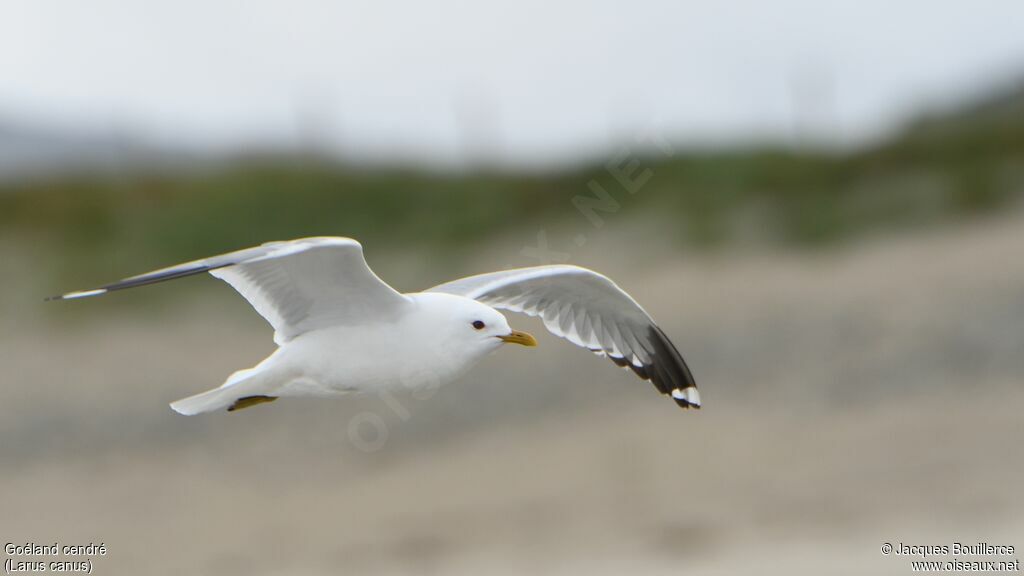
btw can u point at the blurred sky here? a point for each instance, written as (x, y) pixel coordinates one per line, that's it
(525, 82)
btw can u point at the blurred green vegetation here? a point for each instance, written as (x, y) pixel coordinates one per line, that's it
(939, 169)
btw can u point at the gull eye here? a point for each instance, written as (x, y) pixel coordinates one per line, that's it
(478, 325)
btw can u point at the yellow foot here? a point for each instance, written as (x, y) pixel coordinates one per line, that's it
(250, 401)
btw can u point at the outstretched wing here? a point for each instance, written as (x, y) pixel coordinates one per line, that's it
(588, 310)
(298, 286)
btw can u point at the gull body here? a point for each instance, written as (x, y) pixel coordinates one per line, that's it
(436, 342)
(340, 329)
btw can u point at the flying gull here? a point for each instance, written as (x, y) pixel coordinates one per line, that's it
(340, 329)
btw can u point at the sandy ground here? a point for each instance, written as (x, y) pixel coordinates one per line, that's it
(853, 397)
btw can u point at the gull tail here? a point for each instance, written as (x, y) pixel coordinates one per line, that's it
(243, 389)
(205, 402)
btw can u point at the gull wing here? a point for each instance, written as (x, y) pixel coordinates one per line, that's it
(298, 286)
(589, 310)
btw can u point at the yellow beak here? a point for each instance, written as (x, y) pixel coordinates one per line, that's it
(517, 337)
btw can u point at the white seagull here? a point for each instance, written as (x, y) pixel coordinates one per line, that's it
(340, 329)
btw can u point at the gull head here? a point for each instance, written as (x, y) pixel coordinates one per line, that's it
(469, 325)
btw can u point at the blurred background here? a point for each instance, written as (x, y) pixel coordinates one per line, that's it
(821, 203)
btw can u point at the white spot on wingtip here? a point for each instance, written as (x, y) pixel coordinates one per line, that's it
(690, 395)
(83, 294)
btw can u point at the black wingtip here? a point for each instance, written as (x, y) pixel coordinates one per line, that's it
(669, 372)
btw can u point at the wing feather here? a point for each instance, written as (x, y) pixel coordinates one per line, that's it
(297, 286)
(590, 311)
